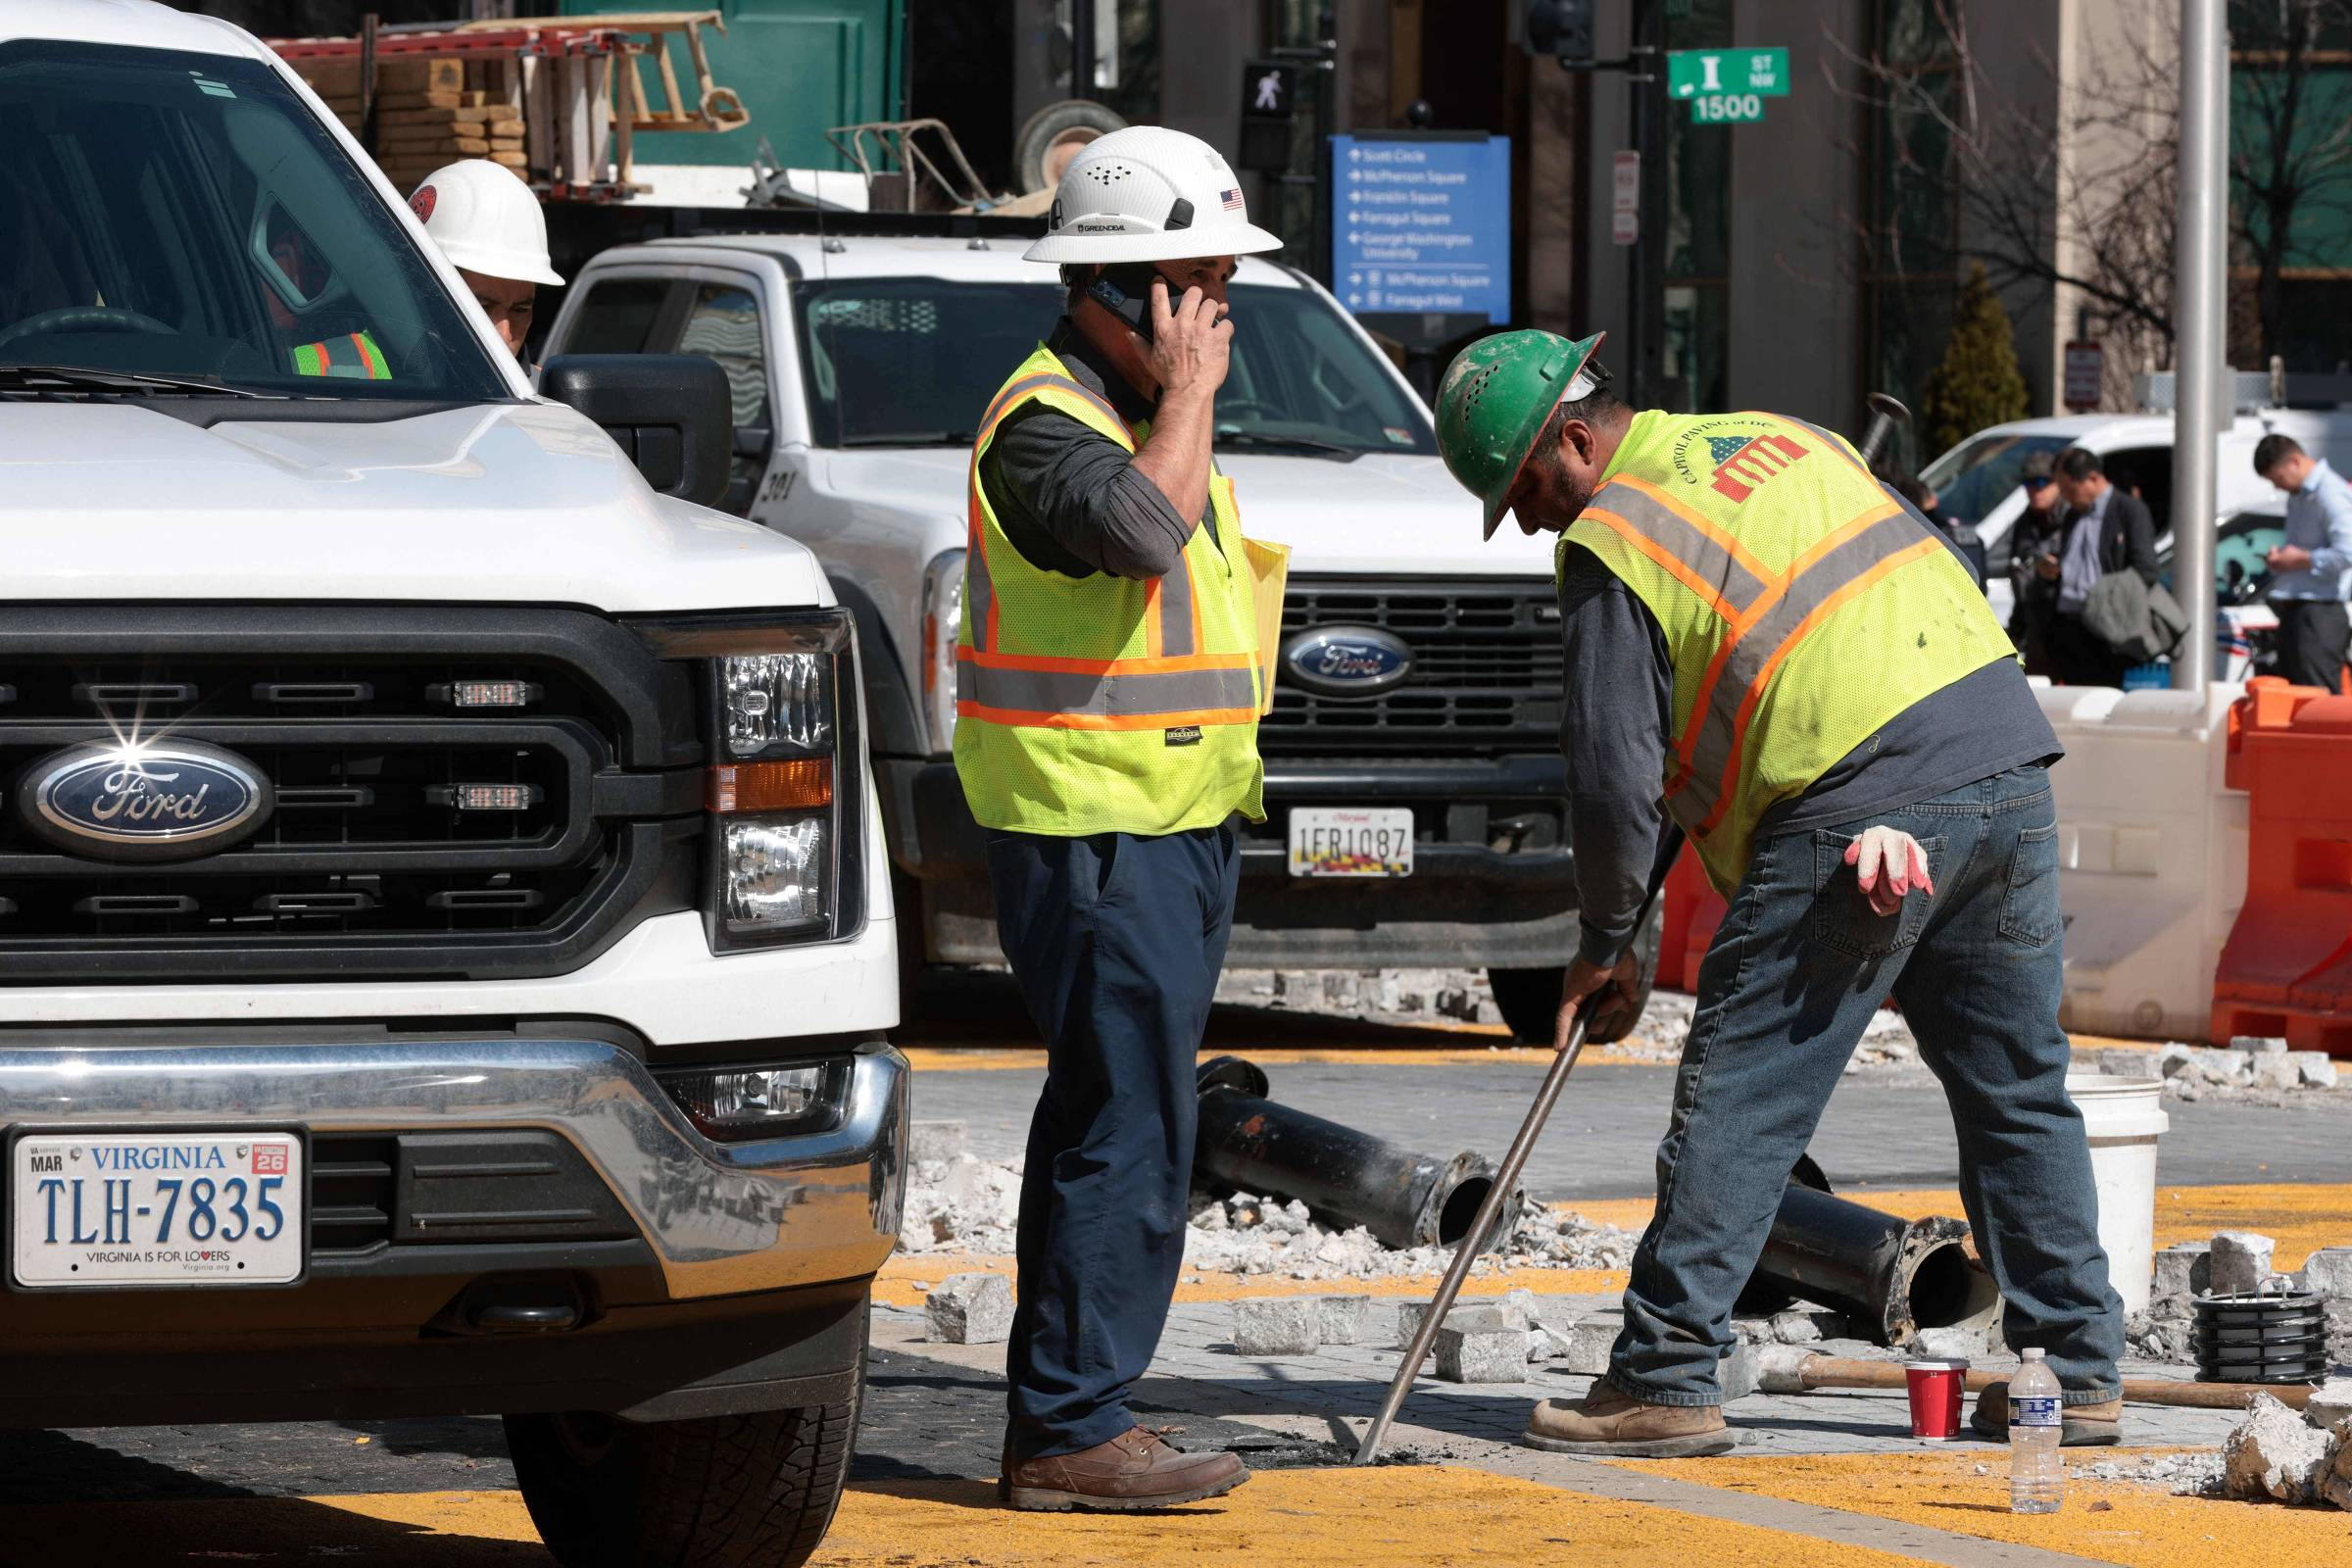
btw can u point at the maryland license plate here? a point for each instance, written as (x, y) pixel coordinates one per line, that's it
(157, 1209)
(1330, 841)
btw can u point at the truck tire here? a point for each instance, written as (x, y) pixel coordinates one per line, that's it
(1529, 1000)
(752, 1490)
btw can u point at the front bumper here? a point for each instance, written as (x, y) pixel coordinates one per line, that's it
(707, 1278)
(1494, 880)
(718, 1219)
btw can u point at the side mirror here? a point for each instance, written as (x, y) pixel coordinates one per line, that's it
(672, 414)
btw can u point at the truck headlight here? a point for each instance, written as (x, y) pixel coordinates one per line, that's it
(783, 791)
(730, 1104)
(943, 625)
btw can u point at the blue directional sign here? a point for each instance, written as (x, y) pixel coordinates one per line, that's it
(1422, 224)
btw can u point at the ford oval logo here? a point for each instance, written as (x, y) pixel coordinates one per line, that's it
(158, 800)
(1347, 661)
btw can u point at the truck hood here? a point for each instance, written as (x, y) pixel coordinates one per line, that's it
(1377, 514)
(517, 502)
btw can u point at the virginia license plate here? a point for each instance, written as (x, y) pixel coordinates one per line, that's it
(1332, 841)
(157, 1209)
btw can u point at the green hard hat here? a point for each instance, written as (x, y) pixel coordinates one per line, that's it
(1494, 400)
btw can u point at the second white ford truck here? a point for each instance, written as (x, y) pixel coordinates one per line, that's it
(1417, 700)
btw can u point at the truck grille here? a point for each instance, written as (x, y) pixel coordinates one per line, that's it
(365, 866)
(1485, 678)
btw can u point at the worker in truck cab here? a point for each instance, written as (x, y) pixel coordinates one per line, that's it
(1106, 736)
(488, 224)
(1772, 649)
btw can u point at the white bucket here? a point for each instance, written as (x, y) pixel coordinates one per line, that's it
(2124, 1117)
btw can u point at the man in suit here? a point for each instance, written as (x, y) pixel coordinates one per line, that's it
(2105, 530)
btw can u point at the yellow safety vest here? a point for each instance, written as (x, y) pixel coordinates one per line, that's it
(1099, 704)
(1802, 608)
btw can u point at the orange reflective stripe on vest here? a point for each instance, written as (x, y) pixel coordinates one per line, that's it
(1841, 566)
(1174, 628)
(1106, 694)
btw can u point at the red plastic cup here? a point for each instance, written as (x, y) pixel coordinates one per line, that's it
(1936, 1389)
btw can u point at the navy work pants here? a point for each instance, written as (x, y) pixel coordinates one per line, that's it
(1116, 941)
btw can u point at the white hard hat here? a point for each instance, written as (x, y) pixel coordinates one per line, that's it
(1148, 194)
(485, 220)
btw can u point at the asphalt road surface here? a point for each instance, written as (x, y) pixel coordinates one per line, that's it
(1885, 1128)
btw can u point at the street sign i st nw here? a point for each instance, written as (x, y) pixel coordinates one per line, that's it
(1693, 72)
(1422, 224)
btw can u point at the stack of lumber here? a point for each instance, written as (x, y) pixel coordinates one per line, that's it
(427, 112)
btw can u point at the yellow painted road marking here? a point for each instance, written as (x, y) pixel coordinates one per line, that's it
(1400, 1517)
(2141, 1526)
(907, 1276)
(2298, 1217)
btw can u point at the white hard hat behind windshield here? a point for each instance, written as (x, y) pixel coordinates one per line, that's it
(487, 220)
(1148, 194)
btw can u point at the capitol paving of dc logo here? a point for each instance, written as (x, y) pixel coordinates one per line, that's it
(152, 800)
(1347, 661)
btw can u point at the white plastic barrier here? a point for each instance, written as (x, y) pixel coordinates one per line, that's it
(2124, 1116)
(2152, 854)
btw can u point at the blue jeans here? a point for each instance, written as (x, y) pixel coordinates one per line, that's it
(1796, 969)
(1116, 941)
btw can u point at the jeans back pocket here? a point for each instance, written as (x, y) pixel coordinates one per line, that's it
(2029, 912)
(1843, 918)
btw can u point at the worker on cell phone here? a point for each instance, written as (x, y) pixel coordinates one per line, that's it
(1771, 650)
(1106, 738)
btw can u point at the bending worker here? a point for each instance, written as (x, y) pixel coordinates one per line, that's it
(1766, 645)
(1105, 734)
(488, 224)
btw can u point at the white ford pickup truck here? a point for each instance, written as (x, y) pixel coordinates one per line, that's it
(444, 944)
(1418, 702)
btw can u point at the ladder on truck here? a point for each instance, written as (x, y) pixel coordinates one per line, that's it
(557, 99)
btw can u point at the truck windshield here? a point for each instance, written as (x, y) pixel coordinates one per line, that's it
(914, 361)
(182, 223)
(1977, 474)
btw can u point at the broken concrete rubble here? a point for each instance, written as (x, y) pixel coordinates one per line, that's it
(1277, 1325)
(2275, 1454)
(2182, 1270)
(1496, 1353)
(969, 1309)
(1342, 1319)
(2241, 1262)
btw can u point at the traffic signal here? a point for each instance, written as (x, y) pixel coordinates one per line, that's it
(1559, 28)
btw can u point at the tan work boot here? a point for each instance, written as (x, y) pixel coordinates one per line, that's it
(1131, 1471)
(1607, 1422)
(2080, 1426)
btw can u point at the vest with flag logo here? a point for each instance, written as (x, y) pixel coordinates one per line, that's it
(1099, 704)
(1802, 608)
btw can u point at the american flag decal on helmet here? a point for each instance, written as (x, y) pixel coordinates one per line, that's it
(1232, 199)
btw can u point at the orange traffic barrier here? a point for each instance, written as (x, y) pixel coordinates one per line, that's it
(1694, 909)
(2286, 969)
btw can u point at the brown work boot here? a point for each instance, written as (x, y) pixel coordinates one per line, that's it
(1131, 1471)
(1607, 1422)
(2080, 1426)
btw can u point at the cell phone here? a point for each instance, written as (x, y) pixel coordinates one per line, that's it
(1126, 292)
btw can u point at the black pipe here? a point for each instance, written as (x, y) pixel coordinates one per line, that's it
(1890, 1277)
(1248, 1142)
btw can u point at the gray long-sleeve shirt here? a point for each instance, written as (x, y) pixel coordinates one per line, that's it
(1069, 498)
(1617, 723)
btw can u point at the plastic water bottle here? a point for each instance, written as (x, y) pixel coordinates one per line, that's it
(2036, 1467)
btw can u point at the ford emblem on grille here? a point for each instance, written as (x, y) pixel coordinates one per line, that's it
(151, 801)
(1347, 661)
